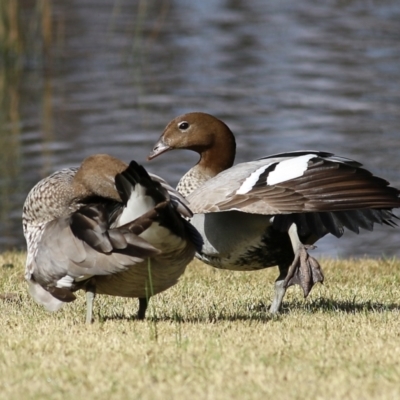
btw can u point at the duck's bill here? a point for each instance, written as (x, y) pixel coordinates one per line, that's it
(158, 149)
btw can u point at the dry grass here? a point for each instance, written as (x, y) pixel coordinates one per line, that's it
(209, 337)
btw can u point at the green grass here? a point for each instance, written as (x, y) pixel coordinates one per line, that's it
(209, 337)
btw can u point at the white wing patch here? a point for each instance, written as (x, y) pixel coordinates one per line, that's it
(249, 182)
(138, 204)
(289, 169)
(65, 282)
(284, 171)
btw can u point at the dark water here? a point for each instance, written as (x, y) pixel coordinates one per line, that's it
(107, 76)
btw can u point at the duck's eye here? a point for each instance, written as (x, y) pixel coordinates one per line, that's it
(183, 125)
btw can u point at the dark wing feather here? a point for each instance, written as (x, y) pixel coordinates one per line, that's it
(91, 225)
(136, 174)
(179, 202)
(325, 186)
(170, 204)
(322, 154)
(321, 223)
(83, 244)
(328, 186)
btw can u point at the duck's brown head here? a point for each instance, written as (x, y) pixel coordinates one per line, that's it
(96, 176)
(202, 133)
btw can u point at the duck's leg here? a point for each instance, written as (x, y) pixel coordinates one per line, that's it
(90, 295)
(280, 289)
(143, 303)
(304, 270)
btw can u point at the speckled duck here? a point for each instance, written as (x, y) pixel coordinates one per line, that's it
(100, 227)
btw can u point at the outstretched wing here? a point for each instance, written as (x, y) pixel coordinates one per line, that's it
(318, 191)
(284, 185)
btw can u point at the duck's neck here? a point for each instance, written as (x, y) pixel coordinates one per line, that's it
(213, 160)
(219, 154)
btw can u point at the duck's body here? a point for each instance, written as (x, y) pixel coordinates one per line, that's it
(108, 228)
(267, 212)
(254, 245)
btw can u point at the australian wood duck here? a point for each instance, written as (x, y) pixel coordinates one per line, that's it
(107, 228)
(269, 211)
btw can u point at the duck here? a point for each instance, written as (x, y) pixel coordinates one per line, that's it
(108, 228)
(270, 211)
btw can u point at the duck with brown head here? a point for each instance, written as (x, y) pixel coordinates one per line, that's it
(98, 227)
(269, 212)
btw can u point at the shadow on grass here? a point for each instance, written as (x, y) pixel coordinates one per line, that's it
(211, 315)
(259, 313)
(193, 320)
(346, 306)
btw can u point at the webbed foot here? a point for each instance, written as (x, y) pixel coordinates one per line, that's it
(304, 271)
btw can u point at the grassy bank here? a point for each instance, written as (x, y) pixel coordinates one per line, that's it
(209, 337)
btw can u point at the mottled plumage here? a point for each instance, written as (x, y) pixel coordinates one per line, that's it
(103, 227)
